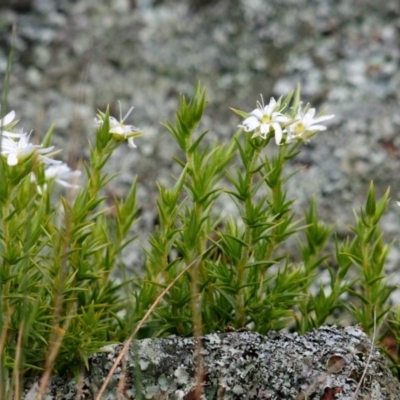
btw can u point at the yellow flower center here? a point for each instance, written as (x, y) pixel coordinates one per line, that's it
(265, 119)
(299, 128)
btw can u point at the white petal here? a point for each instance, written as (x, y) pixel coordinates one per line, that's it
(7, 119)
(257, 113)
(264, 128)
(131, 144)
(48, 161)
(45, 150)
(113, 122)
(280, 117)
(251, 123)
(75, 174)
(131, 129)
(323, 118)
(270, 107)
(309, 115)
(316, 128)
(67, 184)
(12, 159)
(278, 132)
(10, 134)
(118, 130)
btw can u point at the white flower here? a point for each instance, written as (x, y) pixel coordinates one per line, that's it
(5, 121)
(265, 118)
(119, 130)
(22, 149)
(305, 122)
(63, 175)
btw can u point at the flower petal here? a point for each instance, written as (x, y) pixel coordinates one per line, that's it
(270, 107)
(131, 144)
(278, 132)
(323, 118)
(7, 119)
(10, 134)
(118, 130)
(309, 115)
(251, 123)
(12, 159)
(264, 128)
(257, 113)
(316, 128)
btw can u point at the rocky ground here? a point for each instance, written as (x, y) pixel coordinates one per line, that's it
(73, 57)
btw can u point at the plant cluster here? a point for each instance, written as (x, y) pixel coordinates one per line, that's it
(57, 298)
(242, 278)
(59, 302)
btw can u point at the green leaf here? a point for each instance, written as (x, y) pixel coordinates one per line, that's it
(243, 114)
(370, 206)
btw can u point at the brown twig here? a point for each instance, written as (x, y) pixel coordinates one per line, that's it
(368, 360)
(57, 333)
(139, 325)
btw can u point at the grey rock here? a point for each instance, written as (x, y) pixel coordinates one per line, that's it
(239, 365)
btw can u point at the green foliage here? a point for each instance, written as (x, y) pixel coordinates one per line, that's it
(256, 265)
(56, 265)
(244, 275)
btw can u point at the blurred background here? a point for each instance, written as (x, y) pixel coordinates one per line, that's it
(74, 57)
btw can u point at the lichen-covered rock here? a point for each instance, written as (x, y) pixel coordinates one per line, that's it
(327, 363)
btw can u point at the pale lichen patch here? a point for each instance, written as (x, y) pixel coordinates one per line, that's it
(182, 376)
(144, 364)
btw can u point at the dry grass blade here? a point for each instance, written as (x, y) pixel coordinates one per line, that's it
(56, 341)
(3, 337)
(139, 325)
(368, 361)
(57, 334)
(18, 355)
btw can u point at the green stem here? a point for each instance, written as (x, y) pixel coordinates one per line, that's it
(6, 263)
(276, 194)
(367, 287)
(94, 182)
(247, 250)
(197, 269)
(5, 306)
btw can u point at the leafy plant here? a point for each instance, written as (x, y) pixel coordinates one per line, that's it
(56, 260)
